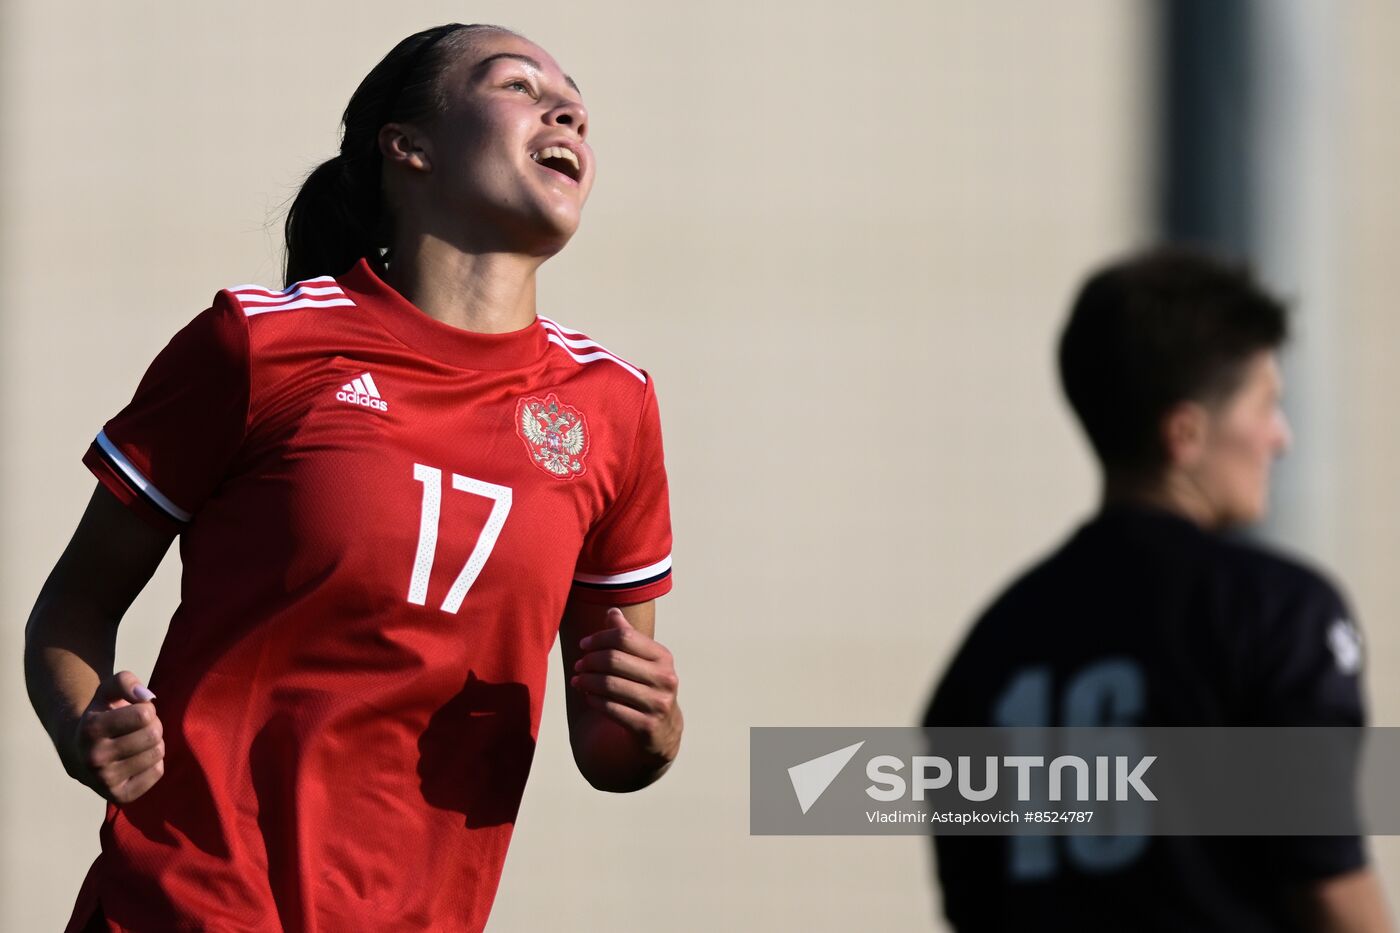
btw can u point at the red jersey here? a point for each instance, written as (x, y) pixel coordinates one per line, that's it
(381, 518)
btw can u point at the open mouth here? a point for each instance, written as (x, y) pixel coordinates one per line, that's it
(560, 160)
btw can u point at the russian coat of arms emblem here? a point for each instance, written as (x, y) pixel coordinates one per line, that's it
(555, 434)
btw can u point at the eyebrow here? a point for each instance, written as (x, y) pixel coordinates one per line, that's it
(481, 65)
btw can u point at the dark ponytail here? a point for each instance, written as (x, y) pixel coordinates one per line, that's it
(338, 216)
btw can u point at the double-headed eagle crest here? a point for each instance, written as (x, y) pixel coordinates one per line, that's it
(555, 434)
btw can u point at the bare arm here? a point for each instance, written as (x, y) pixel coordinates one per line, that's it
(1349, 903)
(624, 722)
(103, 725)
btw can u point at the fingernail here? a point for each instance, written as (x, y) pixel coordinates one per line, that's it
(573, 681)
(578, 665)
(586, 642)
(143, 694)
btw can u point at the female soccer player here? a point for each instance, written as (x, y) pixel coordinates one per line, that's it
(391, 481)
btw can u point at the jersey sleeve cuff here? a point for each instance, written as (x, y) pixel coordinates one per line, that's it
(125, 481)
(626, 587)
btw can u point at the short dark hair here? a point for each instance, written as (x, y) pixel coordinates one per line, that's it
(1148, 332)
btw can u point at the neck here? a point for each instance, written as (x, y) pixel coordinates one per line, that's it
(1171, 493)
(486, 293)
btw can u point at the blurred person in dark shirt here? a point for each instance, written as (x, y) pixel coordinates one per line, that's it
(1151, 614)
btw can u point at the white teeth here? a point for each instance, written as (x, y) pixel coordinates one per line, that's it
(556, 152)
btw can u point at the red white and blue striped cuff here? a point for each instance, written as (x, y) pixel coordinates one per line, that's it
(637, 585)
(125, 480)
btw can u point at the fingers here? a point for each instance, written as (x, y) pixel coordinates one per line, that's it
(647, 685)
(107, 750)
(625, 665)
(115, 773)
(631, 679)
(624, 639)
(123, 768)
(120, 747)
(111, 737)
(123, 687)
(614, 661)
(638, 696)
(634, 719)
(123, 777)
(659, 734)
(108, 724)
(137, 783)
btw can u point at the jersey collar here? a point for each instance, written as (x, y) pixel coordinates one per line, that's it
(434, 339)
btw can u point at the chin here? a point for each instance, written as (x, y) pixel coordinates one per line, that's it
(553, 229)
(532, 227)
(564, 221)
(1250, 513)
(549, 243)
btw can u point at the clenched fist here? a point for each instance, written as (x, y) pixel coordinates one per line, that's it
(631, 678)
(117, 747)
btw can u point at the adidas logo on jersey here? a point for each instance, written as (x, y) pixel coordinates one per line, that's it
(362, 391)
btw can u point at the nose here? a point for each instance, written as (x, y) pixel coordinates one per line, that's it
(571, 114)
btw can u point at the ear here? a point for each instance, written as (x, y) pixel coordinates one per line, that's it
(1185, 428)
(406, 145)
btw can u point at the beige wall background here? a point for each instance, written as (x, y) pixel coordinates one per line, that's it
(841, 238)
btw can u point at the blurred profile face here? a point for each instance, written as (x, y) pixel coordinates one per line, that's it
(1242, 437)
(509, 159)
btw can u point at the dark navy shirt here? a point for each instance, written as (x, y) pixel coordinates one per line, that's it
(1142, 618)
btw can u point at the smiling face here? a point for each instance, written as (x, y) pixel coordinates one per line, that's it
(1241, 438)
(506, 165)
